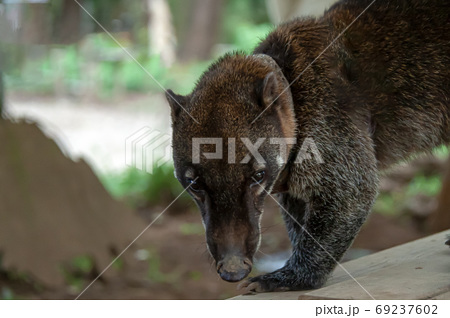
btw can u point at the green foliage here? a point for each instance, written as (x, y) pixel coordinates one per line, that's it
(141, 188)
(68, 66)
(33, 77)
(247, 36)
(195, 275)
(154, 66)
(71, 64)
(133, 78)
(84, 264)
(185, 76)
(388, 203)
(391, 203)
(69, 70)
(244, 23)
(118, 264)
(41, 74)
(441, 152)
(429, 186)
(238, 12)
(191, 229)
(106, 77)
(76, 271)
(162, 184)
(7, 294)
(154, 269)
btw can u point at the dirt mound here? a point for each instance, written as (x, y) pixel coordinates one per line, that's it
(53, 209)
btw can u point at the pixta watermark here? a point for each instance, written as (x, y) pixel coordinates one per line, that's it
(307, 151)
(147, 149)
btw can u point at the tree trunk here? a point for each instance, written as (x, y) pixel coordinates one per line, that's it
(161, 34)
(202, 30)
(67, 23)
(2, 94)
(35, 24)
(280, 11)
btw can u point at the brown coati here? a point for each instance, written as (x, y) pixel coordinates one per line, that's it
(363, 99)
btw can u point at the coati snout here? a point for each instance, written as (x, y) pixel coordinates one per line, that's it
(234, 268)
(226, 161)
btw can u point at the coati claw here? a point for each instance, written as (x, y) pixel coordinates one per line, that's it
(260, 284)
(249, 287)
(284, 279)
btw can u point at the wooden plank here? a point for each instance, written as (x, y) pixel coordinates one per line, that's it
(290, 295)
(444, 296)
(416, 270)
(404, 281)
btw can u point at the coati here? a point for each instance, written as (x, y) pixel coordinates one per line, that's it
(367, 95)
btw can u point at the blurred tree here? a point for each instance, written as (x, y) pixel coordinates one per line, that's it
(201, 33)
(34, 21)
(106, 12)
(44, 22)
(66, 21)
(2, 97)
(244, 22)
(280, 11)
(161, 36)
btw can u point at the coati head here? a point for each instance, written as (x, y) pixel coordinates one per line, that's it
(239, 101)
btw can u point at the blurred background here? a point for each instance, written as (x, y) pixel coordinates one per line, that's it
(82, 111)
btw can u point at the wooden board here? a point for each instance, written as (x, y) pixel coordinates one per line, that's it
(416, 270)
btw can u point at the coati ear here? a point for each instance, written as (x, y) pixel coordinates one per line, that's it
(176, 103)
(275, 104)
(269, 89)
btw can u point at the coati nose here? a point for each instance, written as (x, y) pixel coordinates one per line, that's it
(234, 268)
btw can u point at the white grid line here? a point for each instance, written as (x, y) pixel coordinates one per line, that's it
(140, 234)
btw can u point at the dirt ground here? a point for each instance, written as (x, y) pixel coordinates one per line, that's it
(170, 260)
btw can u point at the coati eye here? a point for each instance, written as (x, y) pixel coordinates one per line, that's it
(258, 177)
(193, 185)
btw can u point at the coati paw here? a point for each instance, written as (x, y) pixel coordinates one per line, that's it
(262, 284)
(284, 279)
(249, 287)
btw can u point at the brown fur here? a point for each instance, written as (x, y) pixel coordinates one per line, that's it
(377, 95)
